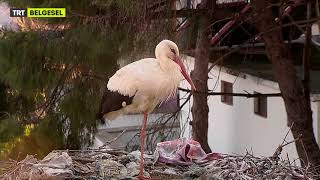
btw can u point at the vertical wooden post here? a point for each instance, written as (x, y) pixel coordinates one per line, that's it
(306, 60)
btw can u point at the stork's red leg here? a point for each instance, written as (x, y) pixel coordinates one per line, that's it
(142, 138)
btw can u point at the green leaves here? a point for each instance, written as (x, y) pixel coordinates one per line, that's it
(9, 128)
(33, 66)
(60, 66)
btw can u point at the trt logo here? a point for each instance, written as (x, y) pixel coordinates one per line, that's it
(18, 12)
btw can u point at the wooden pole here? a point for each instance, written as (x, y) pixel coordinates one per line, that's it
(306, 57)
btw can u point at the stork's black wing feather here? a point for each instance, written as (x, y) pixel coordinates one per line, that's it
(112, 101)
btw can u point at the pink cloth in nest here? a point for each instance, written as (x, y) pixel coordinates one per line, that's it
(183, 152)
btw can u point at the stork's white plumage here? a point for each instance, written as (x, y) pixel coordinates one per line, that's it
(142, 85)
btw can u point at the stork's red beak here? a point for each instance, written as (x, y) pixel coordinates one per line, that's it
(184, 72)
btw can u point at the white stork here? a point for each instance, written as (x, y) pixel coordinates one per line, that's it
(142, 85)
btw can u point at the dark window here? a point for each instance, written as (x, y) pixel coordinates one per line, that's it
(260, 105)
(226, 87)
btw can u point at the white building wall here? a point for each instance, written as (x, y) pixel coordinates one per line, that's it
(236, 129)
(133, 120)
(131, 124)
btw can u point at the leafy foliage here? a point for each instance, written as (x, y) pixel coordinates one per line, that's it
(56, 69)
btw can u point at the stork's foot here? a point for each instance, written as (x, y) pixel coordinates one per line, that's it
(142, 136)
(141, 177)
(141, 174)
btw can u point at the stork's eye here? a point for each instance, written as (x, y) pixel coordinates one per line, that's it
(172, 50)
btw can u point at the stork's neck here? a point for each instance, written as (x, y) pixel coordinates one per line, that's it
(171, 79)
(168, 66)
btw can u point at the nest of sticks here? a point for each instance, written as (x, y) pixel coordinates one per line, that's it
(118, 164)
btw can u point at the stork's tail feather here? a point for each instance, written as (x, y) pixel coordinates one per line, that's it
(99, 116)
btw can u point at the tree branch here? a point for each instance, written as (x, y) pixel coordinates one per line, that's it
(247, 95)
(158, 5)
(220, 14)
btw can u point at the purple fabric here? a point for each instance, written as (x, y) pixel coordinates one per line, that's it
(183, 152)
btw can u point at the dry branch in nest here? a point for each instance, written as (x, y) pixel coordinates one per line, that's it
(250, 167)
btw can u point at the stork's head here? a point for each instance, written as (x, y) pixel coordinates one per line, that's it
(167, 50)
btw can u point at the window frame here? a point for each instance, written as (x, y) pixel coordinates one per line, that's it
(260, 105)
(227, 87)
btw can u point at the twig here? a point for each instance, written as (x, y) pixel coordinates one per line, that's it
(285, 137)
(284, 143)
(113, 140)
